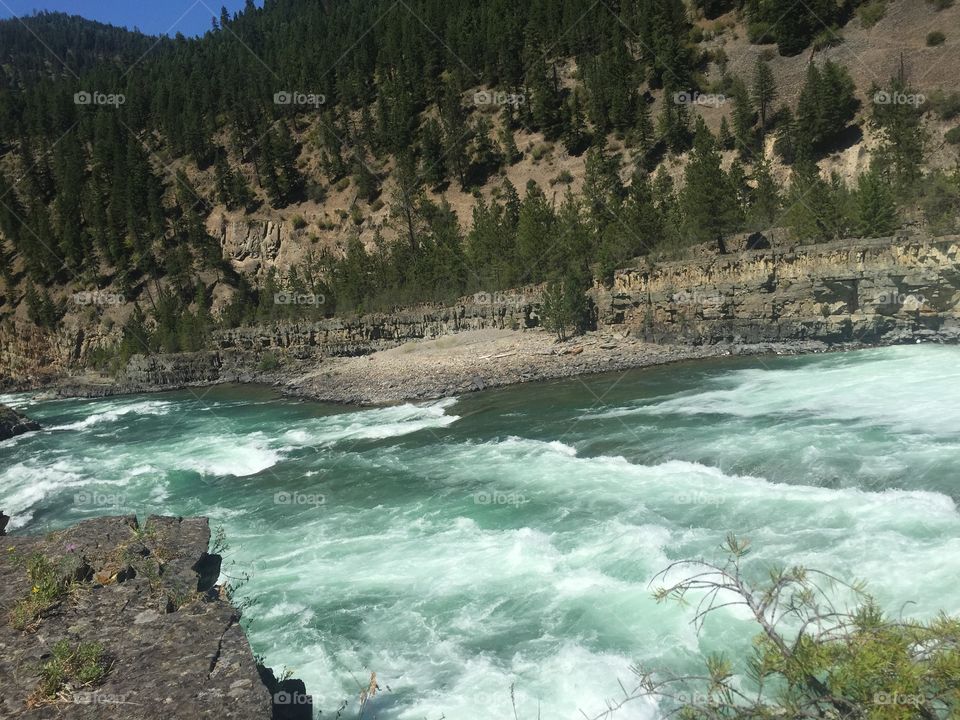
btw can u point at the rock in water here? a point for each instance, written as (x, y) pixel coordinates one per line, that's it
(13, 423)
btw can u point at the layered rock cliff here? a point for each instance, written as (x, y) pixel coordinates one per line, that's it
(886, 290)
(880, 291)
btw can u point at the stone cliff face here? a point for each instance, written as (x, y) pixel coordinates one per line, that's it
(878, 291)
(170, 641)
(361, 335)
(887, 290)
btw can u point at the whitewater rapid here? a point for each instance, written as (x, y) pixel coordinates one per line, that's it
(461, 547)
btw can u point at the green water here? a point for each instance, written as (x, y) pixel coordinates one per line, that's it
(508, 538)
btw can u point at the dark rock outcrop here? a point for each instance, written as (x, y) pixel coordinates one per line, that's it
(13, 423)
(146, 594)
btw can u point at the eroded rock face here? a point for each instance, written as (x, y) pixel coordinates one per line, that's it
(13, 423)
(877, 291)
(243, 241)
(147, 595)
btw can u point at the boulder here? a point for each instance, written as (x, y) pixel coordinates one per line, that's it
(13, 423)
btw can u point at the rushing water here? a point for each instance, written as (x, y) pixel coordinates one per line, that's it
(508, 538)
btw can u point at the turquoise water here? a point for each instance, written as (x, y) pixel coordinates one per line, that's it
(459, 547)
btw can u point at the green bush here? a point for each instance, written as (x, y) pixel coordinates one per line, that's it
(761, 33)
(872, 12)
(953, 136)
(935, 38)
(269, 362)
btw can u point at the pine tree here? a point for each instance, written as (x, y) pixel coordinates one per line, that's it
(765, 200)
(710, 208)
(764, 92)
(898, 120)
(743, 119)
(876, 205)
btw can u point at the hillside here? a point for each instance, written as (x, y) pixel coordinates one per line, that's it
(361, 155)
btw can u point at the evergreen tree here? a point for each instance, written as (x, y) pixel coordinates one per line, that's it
(764, 92)
(710, 207)
(876, 205)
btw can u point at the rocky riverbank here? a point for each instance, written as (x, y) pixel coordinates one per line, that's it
(781, 299)
(113, 619)
(474, 361)
(13, 423)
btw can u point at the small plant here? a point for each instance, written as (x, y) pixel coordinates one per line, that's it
(564, 178)
(48, 586)
(342, 184)
(935, 38)
(953, 136)
(71, 668)
(298, 222)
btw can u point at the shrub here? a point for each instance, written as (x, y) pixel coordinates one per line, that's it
(935, 38)
(953, 136)
(827, 38)
(269, 362)
(872, 12)
(761, 33)
(541, 151)
(946, 106)
(813, 656)
(298, 222)
(342, 184)
(563, 178)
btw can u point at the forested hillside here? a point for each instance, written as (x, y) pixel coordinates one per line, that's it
(424, 149)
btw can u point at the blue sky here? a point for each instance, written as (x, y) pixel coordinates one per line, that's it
(190, 17)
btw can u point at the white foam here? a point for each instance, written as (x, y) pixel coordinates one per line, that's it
(149, 407)
(377, 424)
(227, 455)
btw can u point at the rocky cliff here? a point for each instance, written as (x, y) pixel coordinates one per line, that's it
(111, 619)
(13, 423)
(880, 291)
(873, 291)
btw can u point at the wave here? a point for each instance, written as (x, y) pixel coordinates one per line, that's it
(112, 414)
(907, 389)
(378, 424)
